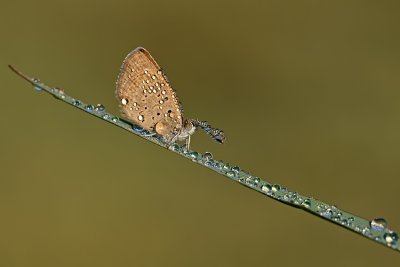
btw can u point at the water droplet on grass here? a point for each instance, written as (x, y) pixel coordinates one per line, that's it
(230, 174)
(175, 147)
(195, 155)
(391, 237)
(236, 169)
(100, 108)
(378, 224)
(76, 103)
(266, 188)
(208, 156)
(276, 187)
(89, 107)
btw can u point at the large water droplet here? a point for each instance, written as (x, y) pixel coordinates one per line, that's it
(391, 237)
(378, 224)
(115, 119)
(266, 188)
(106, 116)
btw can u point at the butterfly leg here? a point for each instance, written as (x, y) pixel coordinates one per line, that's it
(214, 133)
(188, 143)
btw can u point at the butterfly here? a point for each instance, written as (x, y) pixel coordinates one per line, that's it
(147, 99)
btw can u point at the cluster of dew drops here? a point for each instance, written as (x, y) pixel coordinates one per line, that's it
(376, 229)
(98, 109)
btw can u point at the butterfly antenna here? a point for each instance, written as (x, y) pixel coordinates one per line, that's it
(214, 133)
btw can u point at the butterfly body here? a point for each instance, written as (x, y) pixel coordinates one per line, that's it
(147, 99)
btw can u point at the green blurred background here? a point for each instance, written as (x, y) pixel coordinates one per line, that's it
(307, 93)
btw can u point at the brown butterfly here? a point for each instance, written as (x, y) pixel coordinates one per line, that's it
(148, 100)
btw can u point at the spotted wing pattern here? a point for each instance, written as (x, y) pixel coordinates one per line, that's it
(146, 97)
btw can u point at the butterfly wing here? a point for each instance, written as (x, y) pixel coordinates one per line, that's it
(146, 96)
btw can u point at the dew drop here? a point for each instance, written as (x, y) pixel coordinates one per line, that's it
(210, 163)
(236, 169)
(76, 103)
(124, 101)
(106, 116)
(266, 188)
(391, 237)
(227, 167)
(175, 147)
(250, 181)
(328, 213)
(218, 164)
(366, 231)
(89, 107)
(378, 224)
(276, 187)
(208, 156)
(230, 174)
(195, 155)
(115, 119)
(100, 108)
(37, 88)
(141, 117)
(306, 203)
